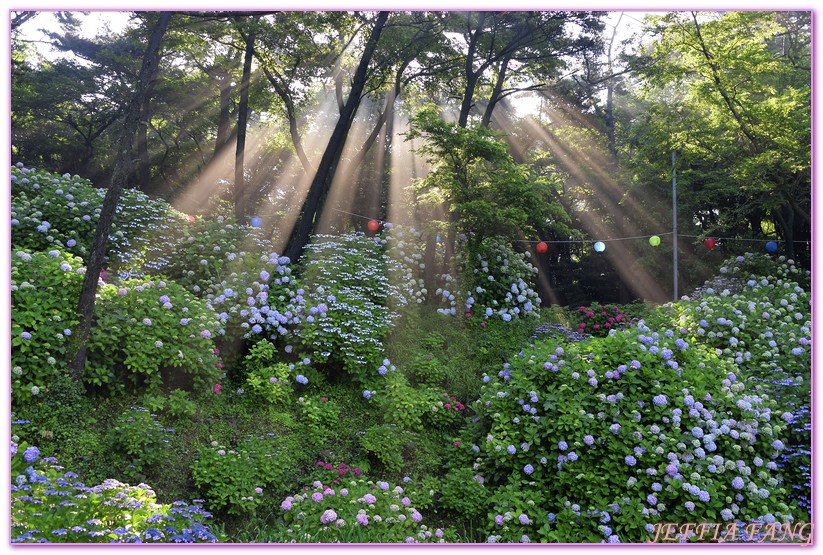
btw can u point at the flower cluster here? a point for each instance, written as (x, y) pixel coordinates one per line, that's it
(50, 505)
(598, 320)
(357, 511)
(447, 411)
(497, 282)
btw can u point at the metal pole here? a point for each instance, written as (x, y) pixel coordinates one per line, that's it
(674, 219)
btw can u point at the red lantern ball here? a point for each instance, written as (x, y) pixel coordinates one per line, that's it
(373, 225)
(710, 243)
(542, 247)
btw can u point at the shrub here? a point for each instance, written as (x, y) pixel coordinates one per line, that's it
(761, 323)
(42, 322)
(346, 301)
(356, 511)
(180, 404)
(402, 404)
(464, 493)
(52, 506)
(137, 440)
(598, 320)
(641, 426)
(269, 380)
(429, 370)
(145, 328)
(320, 416)
(235, 479)
(446, 412)
(200, 253)
(138, 331)
(385, 442)
(51, 211)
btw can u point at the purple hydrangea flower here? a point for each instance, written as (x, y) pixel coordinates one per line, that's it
(524, 519)
(630, 460)
(328, 516)
(588, 440)
(31, 454)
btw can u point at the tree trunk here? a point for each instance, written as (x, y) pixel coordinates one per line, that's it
(471, 76)
(331, 156)
(240, 193)
(225, 113)
(496, 92)
(120, 175)
(142, 175)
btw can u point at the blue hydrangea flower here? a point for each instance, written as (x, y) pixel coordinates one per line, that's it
(31, 454)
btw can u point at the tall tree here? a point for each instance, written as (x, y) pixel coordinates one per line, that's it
(731, 93)
(240, 194)
(122, 169)
(331, 156)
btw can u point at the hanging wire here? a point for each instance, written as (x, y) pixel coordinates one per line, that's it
(613, 239)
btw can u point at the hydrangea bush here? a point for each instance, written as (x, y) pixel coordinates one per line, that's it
(495, 282)
(201, 251)
(357, 511)
(42, 322)
(140, 329)
(235, 480)
(757, 316)
(678, 422)
(619, 433)
(51, 505)
(350, 300)
(52, 211)
(144, 329)
(599, 320)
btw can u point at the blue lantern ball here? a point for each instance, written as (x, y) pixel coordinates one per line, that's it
(600, 246)
(256, 221)
(771, 246)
